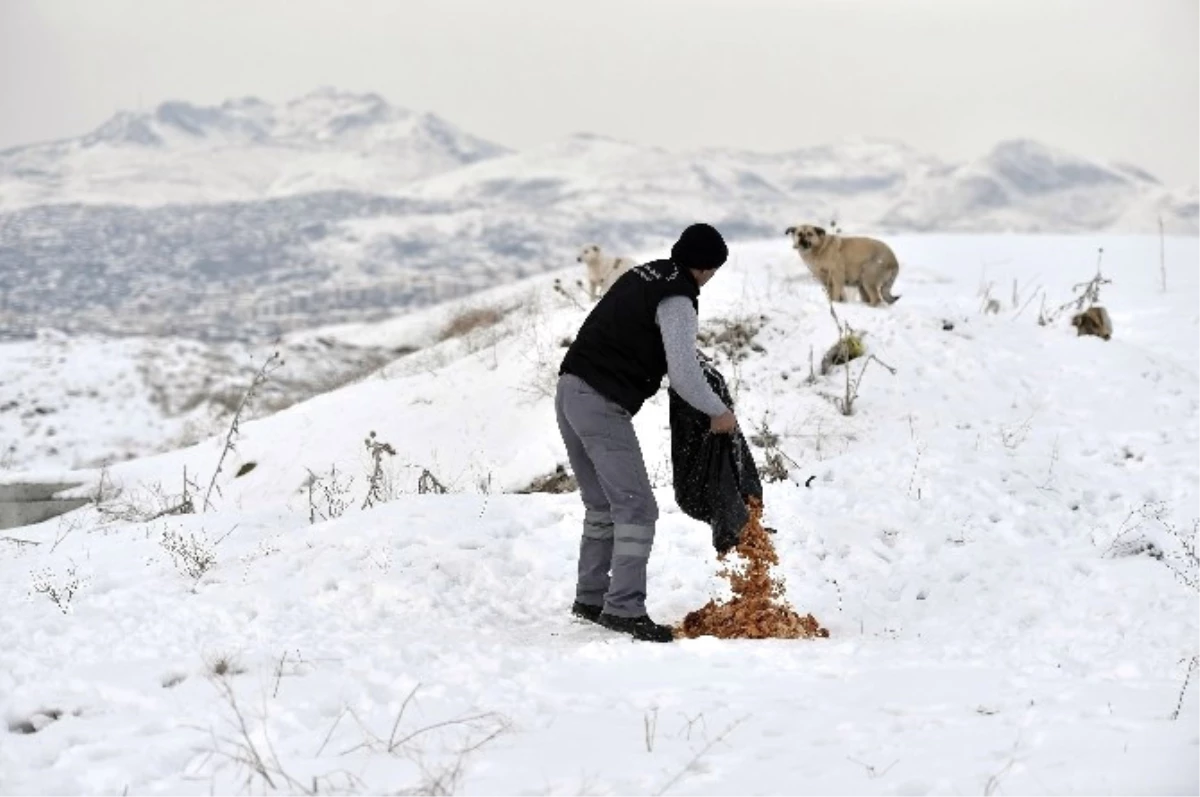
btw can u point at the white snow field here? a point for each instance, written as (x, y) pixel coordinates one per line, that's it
(995, 539)
(91, 399)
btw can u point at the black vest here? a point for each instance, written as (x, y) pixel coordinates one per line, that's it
(619, 348)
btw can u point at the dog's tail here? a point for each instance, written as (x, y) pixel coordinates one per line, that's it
(891, 298)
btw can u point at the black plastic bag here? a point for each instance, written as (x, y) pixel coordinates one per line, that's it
(714, 474)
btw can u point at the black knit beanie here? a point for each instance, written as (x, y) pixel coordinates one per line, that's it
(700, 247)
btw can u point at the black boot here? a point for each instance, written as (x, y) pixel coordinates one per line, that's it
(642, 628)
(586, 611)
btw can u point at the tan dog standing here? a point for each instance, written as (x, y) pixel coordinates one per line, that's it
(838, 260)
(602, 269)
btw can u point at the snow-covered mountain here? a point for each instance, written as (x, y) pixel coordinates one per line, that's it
(246, 220)
(243, 149)
(1022, 185)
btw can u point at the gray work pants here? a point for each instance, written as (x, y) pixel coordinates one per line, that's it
(620, 510)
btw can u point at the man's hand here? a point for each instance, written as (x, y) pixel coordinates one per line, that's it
(723, 424)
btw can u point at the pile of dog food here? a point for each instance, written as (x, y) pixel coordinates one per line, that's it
(757, 609)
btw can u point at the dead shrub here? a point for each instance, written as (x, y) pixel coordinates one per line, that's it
(223, 664)
(143, 506)
(428, 484)
(469, 320)
(775, 465)
(376, 492)
(1086, 295)
(733, 337)
(328, 496)
(60, 591)
(193, 556)
(849, 347)
(557, 483)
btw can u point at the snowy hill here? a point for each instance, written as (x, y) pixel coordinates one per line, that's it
(990, 539)
(246, 220)
(83, 401)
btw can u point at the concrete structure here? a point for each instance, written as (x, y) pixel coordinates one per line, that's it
(33, 502)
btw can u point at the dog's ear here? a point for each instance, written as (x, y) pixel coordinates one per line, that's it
(819, 230)
(789, 231)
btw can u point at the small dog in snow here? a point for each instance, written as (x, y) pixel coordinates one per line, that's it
(602, 269)
(1093, 321)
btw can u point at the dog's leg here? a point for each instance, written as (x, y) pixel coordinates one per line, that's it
(826, 280)
(838, 285)
(863, 295)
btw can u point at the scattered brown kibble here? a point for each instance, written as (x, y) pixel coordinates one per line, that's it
(757, 610)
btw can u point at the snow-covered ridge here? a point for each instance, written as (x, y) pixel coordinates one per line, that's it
(246, 149)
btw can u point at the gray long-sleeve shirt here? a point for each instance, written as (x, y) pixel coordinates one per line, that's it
(679, 325)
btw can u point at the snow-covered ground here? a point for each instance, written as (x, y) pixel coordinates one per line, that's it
(78, 401)
(956, 536)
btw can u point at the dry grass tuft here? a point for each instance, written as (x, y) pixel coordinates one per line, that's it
(470, 320)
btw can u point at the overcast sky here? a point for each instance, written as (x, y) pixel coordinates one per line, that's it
(1115, 80)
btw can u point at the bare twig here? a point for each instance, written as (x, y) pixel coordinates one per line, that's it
(223, 537)
(993, 781)
(279, 674)
(1192, 665)
(65, 528)
(332, 728)
(851, 396)
(260, 377)
(871, 772)
(261, 759)
(690, 722)
(18, 541)
(1033, 295)
(1046, 485)
(687, 768)
(445, 777)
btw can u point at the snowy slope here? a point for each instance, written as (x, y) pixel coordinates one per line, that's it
(957, 539)
(83, 401)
